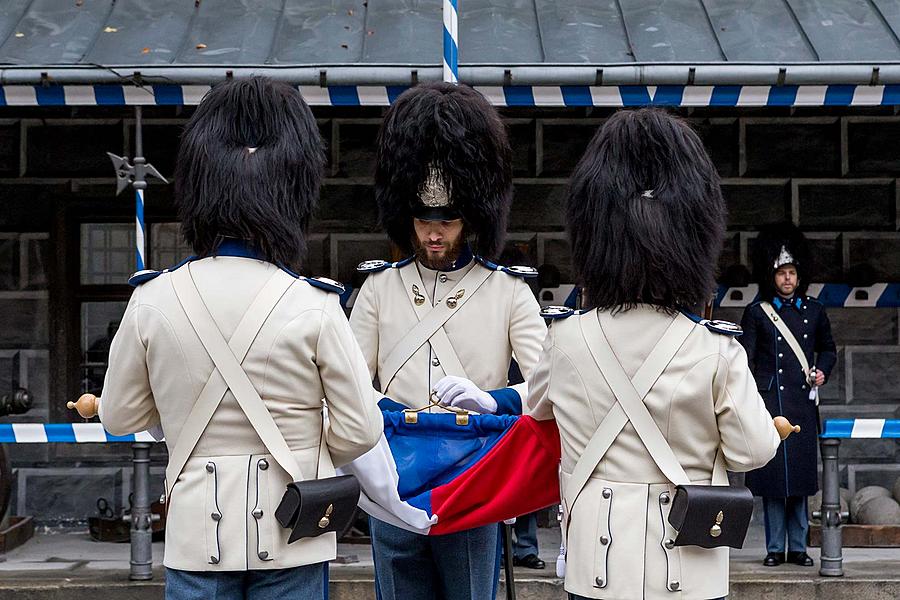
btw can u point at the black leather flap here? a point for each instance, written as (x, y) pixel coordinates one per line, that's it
(711, 516)
(325, 505)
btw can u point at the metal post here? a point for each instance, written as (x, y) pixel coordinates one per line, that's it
(831, 560)
(141, 530)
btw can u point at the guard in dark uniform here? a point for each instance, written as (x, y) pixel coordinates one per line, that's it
(788, 383)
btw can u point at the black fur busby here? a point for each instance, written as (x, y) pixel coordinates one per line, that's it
(453, 132)
(779, 244)
(249, 167)
(645, 214)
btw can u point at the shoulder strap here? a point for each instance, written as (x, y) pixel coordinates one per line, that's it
(786, 333)
(230, 370)
(431, 325)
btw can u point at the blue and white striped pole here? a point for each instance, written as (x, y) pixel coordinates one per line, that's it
(451, 41)
(140, 184)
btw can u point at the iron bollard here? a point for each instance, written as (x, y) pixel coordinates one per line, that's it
(831, 559)
(141, 518)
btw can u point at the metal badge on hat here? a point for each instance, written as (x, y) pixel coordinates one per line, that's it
(784, 258)
(434, 192)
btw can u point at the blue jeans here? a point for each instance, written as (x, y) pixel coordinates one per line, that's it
(456, 566)
(786, 516)
(302, 583)
(526, 536)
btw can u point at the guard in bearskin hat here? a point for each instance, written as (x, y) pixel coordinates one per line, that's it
(442, 325)
(246, 180)
(646, 219)
(788, 340)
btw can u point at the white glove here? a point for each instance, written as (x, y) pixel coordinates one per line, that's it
(459, 392)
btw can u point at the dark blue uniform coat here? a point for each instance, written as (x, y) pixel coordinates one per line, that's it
(783, 386)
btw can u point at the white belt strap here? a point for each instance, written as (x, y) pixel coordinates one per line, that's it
(793, 344)
(228, 367)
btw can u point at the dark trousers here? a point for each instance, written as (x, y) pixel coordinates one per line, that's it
(456, 566)
(786, 517)
(526, 536)
(309, 582)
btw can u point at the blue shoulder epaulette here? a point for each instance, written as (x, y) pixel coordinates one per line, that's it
(374, 266)
(147, 274)
(323, 283)
(715, 325)
(558, 312)
(517, 271)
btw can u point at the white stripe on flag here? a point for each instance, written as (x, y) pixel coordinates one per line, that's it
(605, 95)
(697, 95)
(548, 96)
(754, 95)
(494, 94)
(315, 95)
(20, 95)
(89, 432)
(193, 94)
(80, 95)
(29, 433)
(867, 95)
(372, 95)
(138, 96)
(867, 428)
(811, 95)
(874, 293)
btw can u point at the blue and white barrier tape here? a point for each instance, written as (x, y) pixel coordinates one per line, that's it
(862, 428)
(71, 433)
(835, 295)
(567, 95)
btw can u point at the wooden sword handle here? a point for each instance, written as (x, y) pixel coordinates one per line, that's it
(784, 427)
(88, 405)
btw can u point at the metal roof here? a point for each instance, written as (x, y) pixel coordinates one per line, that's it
(589, 42)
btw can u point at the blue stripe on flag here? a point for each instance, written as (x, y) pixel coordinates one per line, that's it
(59, 432)
(422, 501)
(839, 95)
(834, 294)
(891, 429)
(668, 95)
(6, 434)
(782, 95)
(577, 95)
(53, 95)
(518, 95)
(725, 95)
(891, 95)
(394, 91)
(168, 95)
(343, 95)
(634, 95)
(109, 95)
(838, 428)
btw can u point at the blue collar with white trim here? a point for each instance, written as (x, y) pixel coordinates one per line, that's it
(795, 301)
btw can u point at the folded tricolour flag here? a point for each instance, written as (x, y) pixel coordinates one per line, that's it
(435, 477)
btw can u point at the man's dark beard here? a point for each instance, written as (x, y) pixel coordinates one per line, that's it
(439, 264)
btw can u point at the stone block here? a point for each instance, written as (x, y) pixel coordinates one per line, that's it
(558, 254)
(538, 207)
(563, 146)
(351, 252)
(318, 256)
(880, 257)
(345, 208)
(56, 495)
(827, 258)
(751, 205)
(72, 150)
(860, 326)
(356, 149)
(791, 149)
(870, 451)
(834, 392)
(721, 142)
(731, 253)
(10, 135)
(876, 378)
(845, 207)
(521, 139)
(872, 148)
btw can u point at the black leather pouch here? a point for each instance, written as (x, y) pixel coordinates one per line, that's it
(311, 508)
(711, 516)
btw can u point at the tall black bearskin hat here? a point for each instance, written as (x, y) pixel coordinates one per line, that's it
(249, 167)
(777, 245)
(443, 154)
(645, 214)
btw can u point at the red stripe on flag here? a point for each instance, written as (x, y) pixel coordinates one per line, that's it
(519, 475)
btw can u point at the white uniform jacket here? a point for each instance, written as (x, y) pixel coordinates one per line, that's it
(706, 399)
(500, 321)
(304, 352)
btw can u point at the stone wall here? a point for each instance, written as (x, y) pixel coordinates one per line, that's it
(834, 172)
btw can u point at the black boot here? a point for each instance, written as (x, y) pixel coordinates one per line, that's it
(773, 559)
(800, 558)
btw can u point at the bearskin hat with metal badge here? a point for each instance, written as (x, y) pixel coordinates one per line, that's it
(443, 154)
(777, 245)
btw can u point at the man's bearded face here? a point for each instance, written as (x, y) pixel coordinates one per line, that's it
(438, 243)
